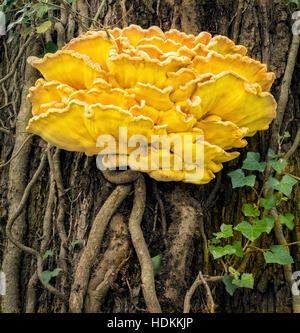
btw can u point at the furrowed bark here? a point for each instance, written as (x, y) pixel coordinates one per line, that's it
(18, 176)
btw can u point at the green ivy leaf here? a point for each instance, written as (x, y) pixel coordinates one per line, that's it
(157, 265)
(51, 47)
(239, 179)
(11, 36)
(278, 255)
(246, 281)
(214, 241)
(278, 165)
(247, 230)
(272, 182)
(269, 202)
(41, 10)
(250, 210)
(285, 185)
(272, 154)
(237, 245)
(226, 231)
(230, 288)
(252, 162)
(252, 232)
(47, 275)
(72, 245)
(55, 272)
(288, 220)
(43, 27)
(219, 251)
(48, 253)
(51, 7)
(269, 223)
(52, 19)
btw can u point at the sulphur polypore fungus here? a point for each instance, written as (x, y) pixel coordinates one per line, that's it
(152, 83)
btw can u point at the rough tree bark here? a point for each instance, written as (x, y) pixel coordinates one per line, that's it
(178, 218)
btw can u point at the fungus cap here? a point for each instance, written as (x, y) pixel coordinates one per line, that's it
(152, 83)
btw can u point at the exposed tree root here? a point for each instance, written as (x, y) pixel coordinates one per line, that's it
(119, 178)
(18, 170)
(200, 279)
(59, 221)
(18, 152)
(91, 250)
(109, 266)
(31, 289)
(100, 283)
(17, 243)
(286, 268)
(138, 241)
(294, 145)
(15, 63)
(284, 90)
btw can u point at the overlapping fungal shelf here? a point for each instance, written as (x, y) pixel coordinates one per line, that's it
(153, 83)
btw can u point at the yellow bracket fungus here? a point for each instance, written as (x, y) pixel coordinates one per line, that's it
(152, 83)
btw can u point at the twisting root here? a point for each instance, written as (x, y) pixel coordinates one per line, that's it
(294, 145)
(15, 63)
(285, 87)
(138, 241)
(287, 269)
(108, 268)
(17, 242)
(119, 178)
(82, 275)
(47, 224)
(17, 153)
(200, 279)
(136, 233)
(55, 167)
(92, 247)
(210, 300)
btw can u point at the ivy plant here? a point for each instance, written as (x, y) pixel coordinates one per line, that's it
(258, 218)
(47, 275)
(25, 17)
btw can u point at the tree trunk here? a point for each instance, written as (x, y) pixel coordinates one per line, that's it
(68, 195)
